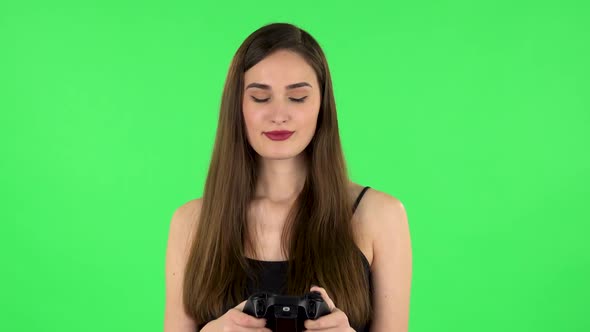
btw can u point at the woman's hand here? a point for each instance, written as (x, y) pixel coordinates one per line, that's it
(235, 320)
(336, 321)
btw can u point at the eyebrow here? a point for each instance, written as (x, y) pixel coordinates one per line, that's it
(267, 87)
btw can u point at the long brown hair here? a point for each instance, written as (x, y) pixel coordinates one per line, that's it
(318, 235)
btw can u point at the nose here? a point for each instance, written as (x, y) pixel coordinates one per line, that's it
(280, 113)
(279, 120)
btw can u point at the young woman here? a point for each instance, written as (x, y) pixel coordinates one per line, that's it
(279, 212)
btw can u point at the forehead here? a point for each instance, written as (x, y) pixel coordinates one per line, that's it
(280, 69)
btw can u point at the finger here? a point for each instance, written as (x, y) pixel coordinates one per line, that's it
(242, 319)
(325, 296)
(241, 306)
(333, 320)
(238, 328)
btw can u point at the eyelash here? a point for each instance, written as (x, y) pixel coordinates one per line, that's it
(300, 100)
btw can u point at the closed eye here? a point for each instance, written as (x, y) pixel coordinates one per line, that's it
(300, 100)
(296, 100)
(259, 100)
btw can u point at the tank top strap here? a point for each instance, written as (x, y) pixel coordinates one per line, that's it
(358, 199)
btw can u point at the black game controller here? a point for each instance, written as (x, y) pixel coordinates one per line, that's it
(285, 313)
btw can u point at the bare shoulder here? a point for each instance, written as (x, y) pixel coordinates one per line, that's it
(188, 210)
(386, 219)
(182, 225)
(184, 221)
(383, 218)
(384, 208)
(378, 209)
(379, 216)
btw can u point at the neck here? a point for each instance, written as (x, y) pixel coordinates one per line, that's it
(281, 180)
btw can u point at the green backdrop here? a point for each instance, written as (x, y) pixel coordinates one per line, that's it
(475, 114)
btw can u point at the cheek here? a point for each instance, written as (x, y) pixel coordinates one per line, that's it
(310, 116)
(251, 120)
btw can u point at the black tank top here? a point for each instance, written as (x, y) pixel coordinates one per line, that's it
(273, 276)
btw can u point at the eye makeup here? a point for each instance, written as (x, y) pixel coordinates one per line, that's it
(296, 100)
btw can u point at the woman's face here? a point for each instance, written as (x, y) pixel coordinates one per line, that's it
(281, 93)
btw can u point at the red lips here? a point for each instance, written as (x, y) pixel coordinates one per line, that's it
(278, 135)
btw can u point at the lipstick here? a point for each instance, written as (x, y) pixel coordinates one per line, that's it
(279, 135)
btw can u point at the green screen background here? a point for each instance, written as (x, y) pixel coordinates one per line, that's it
(474, 114)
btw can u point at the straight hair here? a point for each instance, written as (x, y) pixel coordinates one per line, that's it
(318, 235)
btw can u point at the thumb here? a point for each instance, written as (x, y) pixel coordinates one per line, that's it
(241, 305)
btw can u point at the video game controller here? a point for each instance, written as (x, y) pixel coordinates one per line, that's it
(287, 312)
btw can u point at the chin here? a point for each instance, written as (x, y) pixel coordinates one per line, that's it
(282, 156)
(279, 155)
